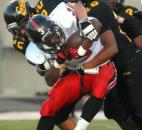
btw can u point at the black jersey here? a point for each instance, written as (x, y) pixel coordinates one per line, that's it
(131, 25)
(101, 10)
(42, 7)
(20, 44)
(46, 6)
(125, 11)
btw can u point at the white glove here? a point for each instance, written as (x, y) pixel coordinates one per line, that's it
(87, 29)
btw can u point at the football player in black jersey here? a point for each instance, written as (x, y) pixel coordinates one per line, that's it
(123, 103)
(138, 15)
(15, 21)
(131, 25)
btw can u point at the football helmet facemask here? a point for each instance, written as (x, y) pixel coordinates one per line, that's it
(47, 35)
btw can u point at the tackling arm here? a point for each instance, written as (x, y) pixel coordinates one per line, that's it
(86, 27)
(109, 50)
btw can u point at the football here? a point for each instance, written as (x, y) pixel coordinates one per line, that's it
(74, 41)
(51, 76)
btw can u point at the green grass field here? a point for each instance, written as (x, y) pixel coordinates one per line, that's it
(31, 125)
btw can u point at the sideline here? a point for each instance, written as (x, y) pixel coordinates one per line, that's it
(35, 115)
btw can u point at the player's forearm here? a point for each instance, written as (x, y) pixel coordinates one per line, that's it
(109, 50)
(103, 56)
(138, 42)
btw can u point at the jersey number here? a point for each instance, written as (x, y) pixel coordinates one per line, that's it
(129, 11)
(39, 9)
(92, 4)
(18, 44)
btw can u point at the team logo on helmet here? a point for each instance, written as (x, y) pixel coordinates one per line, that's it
(21, 8)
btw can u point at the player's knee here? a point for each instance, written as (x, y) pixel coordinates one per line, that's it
(115, 111)
(48, 109)
(99, 95)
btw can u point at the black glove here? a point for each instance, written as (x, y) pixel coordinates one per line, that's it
(79, 70)
(87, 29)
(40, 69)
(65, 72)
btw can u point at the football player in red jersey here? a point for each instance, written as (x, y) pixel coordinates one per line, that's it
(18, 19)
(94, 69)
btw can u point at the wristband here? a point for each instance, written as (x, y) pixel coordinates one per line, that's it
(81, 51)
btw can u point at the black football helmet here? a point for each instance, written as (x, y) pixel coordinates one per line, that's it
(16, 15)
(116, 4)
(47, 35)
(121, 1)
(115, 1)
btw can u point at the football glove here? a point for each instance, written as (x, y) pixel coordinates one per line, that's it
(79, 70)
(65, 72)
(87, 29)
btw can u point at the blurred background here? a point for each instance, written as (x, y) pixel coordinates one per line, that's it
(18, 79)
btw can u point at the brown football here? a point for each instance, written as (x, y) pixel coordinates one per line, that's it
(51, 76)
(74, 41)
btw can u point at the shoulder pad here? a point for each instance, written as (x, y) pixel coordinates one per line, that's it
(34, 54)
